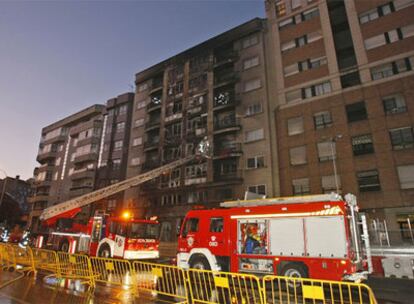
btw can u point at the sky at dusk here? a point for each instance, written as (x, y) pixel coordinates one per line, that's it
(58, 57)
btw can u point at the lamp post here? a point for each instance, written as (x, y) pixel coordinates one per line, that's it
(4, 186)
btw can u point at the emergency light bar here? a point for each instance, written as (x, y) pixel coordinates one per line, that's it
(332, 197)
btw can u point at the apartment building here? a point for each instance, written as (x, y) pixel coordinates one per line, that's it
(218, 90)
(68, 152)
(114, 148)
(344, 78)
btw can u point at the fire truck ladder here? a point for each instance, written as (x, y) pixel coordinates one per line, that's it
(94, 196)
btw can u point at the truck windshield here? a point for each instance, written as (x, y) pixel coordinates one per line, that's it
(143, 231)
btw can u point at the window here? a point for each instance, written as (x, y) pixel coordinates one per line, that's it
(301, 41)
(291, 69)
(368, 16)
(258, 189)
(329, 185)
(286, 23)
(400, 4)
(123, 109)
(255, 162)
(254, 135)
(251, 62)
(139, 122)
(116, 163)
(356, 111)
(135, 161)
(406, 176)
(118, 145)
(142, 87)
(377, 12)
(374, 42)
(394, 104)
(140, 104)
(297, 155)
(191, 225)
(120, 126)
(350, 79)
(295, 126)
(288, 45)
(407, 31)
(393, 35)
(362, 144)
(280, 9)
(322, 120)
(254, 108)
(368, 181)
(300, 186)
(137, 141)
(294, 95)
(250, 41)
(326, 150)
(316, 90)
(296, 3)
(309, 14)
(391, 68)
(402, 138)
(216, 224)
(252, 85)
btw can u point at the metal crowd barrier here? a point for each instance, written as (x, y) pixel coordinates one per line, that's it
(165, 280)
(293, 290)
(184, 286)
(224, 287)
(75, 266)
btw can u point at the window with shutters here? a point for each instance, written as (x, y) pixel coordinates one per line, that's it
(295, 126)
(326, 150)
(254, 135)
(135, 161)
(329, 185)
(368, 181)
(297, 156)
(402, 138)
(137, 141)
(118, 145)
(362, 144)
(255, 162)
(254, 108)
(292, 96)
(300, 186)
(251, 62)
(406, 176)
(252, 85)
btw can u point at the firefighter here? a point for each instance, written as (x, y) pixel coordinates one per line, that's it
(252, 240)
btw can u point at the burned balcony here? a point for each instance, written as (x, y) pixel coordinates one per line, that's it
(151, 144)
(229, 123)
(226, 176)
(225, 78)
(227, 170)
(225, 98)
(152, 123)
(155, 102)
(84, 173)
(223, 150)
(225, 57)
(151, 163)
(157, 83)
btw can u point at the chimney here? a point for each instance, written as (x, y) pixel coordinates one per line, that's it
(17, 177)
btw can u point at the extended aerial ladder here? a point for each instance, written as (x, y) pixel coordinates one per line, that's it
(76, 203)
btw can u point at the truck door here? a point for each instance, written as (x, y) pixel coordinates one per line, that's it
(215, 237)
(120, 239)
(188, 239)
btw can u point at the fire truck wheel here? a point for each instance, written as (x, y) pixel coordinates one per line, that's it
(294, 270)
(200, 262)
(64, 246)
(104, 251)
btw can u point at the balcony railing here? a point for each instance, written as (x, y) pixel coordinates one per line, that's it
(227, 176)
(151, 144)
(152, 123)
(226, 99)
(153, 105)
(227, 122)
(224, 78)
(151, 164)
(224, 150)
(225, 57)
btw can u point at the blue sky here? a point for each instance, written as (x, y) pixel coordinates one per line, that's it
(57, 57)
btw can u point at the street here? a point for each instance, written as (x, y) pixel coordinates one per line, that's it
(43, 290)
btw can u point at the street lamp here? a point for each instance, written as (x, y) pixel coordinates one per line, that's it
(4, 186)
(332, 141)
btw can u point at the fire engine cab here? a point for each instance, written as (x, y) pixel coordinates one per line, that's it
(105, 236)
(312, 236)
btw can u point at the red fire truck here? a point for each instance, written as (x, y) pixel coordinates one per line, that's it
(312, 236)
(104, 236)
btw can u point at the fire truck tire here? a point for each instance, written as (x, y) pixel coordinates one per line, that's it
(104, 251)
(199, 262)
(64, 246)
(294, 270)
